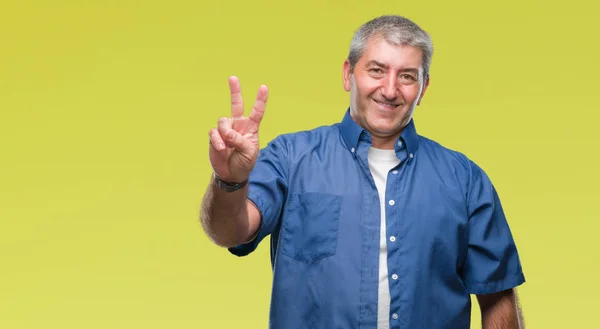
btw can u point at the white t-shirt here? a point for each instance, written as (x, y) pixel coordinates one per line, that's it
(380, 163)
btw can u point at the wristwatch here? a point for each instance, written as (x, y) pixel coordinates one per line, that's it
(228, 186)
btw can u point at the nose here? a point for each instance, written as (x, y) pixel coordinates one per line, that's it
(389, 88)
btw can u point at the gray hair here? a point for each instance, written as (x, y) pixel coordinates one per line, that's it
(396, 30)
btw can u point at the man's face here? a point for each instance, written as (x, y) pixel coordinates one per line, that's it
(385, 88)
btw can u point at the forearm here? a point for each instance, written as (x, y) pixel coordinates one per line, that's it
(224, 215)
(502, 312)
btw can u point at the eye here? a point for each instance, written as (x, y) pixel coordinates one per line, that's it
(407, 76)
(376, 71)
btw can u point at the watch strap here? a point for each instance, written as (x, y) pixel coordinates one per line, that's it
(229, 186)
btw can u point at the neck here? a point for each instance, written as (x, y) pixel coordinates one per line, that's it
(384, 143)
(380, 142)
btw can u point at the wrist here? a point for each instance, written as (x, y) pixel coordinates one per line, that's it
(228, 186)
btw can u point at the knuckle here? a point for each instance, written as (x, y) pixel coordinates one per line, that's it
(223, 123)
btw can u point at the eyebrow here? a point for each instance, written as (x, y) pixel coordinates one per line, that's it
(411, 70)
(374, 62)
(371, 62)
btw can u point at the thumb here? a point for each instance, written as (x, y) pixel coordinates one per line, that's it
(239, 142)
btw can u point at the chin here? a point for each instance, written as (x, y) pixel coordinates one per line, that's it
(383, 123)
(384, 129)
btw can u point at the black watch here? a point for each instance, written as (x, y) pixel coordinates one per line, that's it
(228, 186)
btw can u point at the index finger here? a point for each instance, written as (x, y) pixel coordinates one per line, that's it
(237, 105)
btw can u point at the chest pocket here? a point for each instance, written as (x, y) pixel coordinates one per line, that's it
(310, 226)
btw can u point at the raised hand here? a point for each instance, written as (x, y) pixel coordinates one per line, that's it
(234, 144)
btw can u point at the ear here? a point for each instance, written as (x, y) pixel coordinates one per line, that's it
(346, 75)
(423, 91)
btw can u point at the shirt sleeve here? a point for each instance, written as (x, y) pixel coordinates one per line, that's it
(267, 190)
(492, 262)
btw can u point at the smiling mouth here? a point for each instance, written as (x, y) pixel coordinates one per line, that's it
(390, 106)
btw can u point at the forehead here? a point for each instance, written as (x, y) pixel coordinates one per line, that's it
(396, 56)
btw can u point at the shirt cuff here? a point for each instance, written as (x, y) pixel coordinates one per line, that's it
(496, 286)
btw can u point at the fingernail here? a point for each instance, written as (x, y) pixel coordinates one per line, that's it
(221, 146)
(230, 134)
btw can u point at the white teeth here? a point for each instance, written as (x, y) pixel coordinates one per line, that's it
(386, 104)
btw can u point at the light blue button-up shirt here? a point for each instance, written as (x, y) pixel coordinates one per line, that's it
(447, 236)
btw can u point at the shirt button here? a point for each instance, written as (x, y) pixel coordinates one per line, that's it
(352, 150)
(399, 143)
(395, 316)
(395, 276)
(411, 155)
(393, 238)
(395, 172)
(392, 202)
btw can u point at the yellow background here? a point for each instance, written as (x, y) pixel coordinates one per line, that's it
(105, 108)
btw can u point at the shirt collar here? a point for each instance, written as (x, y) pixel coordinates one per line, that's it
(351, 133)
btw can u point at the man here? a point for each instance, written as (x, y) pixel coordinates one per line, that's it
(371, 224)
